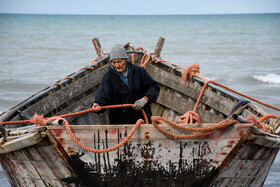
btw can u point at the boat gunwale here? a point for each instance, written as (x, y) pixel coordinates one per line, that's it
(125, 126)
(36, 134)
(9, 113)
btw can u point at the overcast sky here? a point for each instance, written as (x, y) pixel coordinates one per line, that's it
(142, 7)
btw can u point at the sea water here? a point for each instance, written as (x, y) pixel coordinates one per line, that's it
(239, 51)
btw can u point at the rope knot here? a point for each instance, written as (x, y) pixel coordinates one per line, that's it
(39, 120)
(190, 72)
(156, 120)
(257, 123)
(189, 117)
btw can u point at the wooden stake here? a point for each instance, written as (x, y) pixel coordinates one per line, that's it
(159, 47)
(97, 47)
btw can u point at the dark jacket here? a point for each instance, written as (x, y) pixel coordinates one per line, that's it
(113, 90)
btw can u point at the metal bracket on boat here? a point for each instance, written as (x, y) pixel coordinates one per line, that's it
(239, 107)
(56, 122)
(240, 118)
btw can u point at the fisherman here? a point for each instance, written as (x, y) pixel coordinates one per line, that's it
(125, 83)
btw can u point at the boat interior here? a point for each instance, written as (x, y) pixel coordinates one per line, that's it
(77, 91)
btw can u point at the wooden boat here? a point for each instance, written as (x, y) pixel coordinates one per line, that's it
(240, 154)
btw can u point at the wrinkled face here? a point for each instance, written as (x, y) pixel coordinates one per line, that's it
(119, 64)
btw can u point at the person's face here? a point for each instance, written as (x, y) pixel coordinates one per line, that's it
(119, 64)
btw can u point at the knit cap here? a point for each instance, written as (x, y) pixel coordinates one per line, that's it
(118, 52)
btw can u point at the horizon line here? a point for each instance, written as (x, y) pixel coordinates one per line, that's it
(202, 14)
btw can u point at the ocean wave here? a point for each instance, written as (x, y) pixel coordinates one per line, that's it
(270, 78)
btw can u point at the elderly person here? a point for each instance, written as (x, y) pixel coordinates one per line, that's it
(125, 83)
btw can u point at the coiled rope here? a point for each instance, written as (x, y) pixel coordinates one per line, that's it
(199, 131)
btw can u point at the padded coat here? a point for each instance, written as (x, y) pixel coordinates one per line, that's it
(113, 90)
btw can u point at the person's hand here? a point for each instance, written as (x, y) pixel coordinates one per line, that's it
(96, 107)
(139, 104)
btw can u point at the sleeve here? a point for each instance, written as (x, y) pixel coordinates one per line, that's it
(103, 96)
(151, 87)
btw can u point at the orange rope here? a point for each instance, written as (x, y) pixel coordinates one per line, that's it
(178, 67)
(55, 84)
(179, 137)
(248, 97)
(268, 116)
(199, 131)
(256, 122)
(134, 55)
(145, 59)
(94, 61)
(221, 124)
(73, 114)
(139, 47)
(72, 78)
(161, 60)
(189, 72)
(84, 68)
(39, 120)
(190, 117)
(138, 123)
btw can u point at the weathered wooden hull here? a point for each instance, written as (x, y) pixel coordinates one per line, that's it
(235, 155)
(224, 157)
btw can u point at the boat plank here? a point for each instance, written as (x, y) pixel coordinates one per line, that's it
(36, 169)
(81, 120)
(210, 98)
(250, 151)
(174, 101)
(232, 182)
(147, 131)
(269, 140)
(157, 109)
(41, 161)
(266, 165)
(16, 144)
(49, 152)
(89, 117)
(180, 105)
(44, 170)
(40, 182)
(8, 167)
(241, 168)
(67, 93)
(26, 166)
(82, 104)
(103, 117)
(246, 113)
(251, 161)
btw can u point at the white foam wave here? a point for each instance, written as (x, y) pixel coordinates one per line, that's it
(270, 78)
